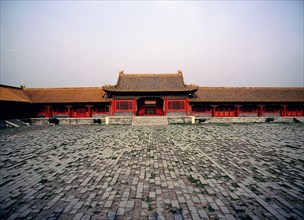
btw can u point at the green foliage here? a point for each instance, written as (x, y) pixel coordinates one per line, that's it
(235, 185)
(196, 182)
(210, 208)
(150, 208)
(43, 181)
(152, 176)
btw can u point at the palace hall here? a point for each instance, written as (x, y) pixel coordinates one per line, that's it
(150, 95)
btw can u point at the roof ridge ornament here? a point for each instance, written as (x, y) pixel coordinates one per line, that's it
(179, 72)
(121, 72)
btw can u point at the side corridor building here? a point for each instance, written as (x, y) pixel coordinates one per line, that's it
(150, 94)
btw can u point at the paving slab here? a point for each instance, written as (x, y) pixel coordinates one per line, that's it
(211, 171)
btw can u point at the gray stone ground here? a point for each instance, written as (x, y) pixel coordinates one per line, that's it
(225, 171)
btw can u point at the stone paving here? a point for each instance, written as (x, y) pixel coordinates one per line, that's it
(223, 171)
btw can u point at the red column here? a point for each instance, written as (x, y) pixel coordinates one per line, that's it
(237, 112)
(261, 110)
(213, 110)
(284, 112)
(134, 106)
(48, 112)
(165, 106)
(69, 111)
(113, 107)
(187, 106)
(89, 110)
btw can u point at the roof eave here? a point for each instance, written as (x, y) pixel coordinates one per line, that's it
(151, 91)
(23, 101)
(246, 101)
(66, 102)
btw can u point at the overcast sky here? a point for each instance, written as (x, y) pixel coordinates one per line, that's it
(75, 43)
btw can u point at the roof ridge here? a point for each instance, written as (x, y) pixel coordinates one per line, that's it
(150, 74)
(63, 88)
(249, 87)
(8, 86)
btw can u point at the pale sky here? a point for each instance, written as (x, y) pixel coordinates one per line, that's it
(214, 43)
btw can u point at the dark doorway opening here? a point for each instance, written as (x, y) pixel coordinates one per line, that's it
(150, 106)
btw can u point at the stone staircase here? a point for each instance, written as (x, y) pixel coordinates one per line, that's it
(150, 120)
(15, 123)
(298, 119)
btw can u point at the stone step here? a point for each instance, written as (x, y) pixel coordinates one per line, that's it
(150, 120)
(299, 119)
(16, 123)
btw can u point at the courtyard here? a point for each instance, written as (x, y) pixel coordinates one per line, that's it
(214, 171)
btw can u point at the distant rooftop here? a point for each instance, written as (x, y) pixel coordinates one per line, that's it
(165, 82)
(249, 94)
(66, 95)
(169, 82)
